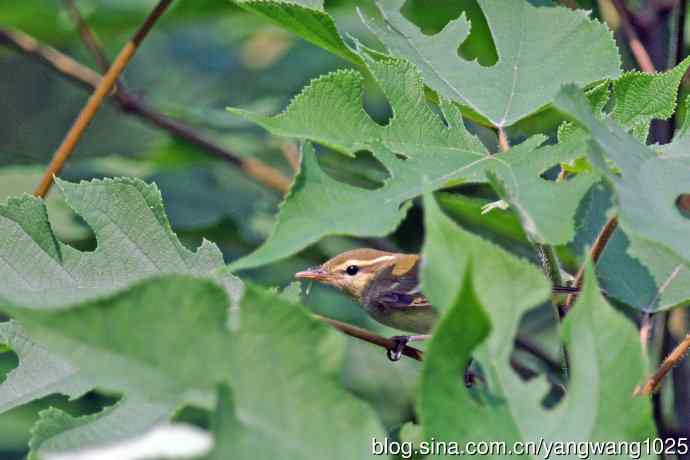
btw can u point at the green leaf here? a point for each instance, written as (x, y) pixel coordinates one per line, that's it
(142, 323)
(44, 276)
(538, 49)
(655, 279)
(648, 185)
(131, 344)
(497, 224)
(40, 372)
(417, 148)
(58, 433)
(134, 241)
(342, 209)
(546, 208)
(18, 180)
(263, 360)
(606, 365)
(641, 97)
(306, 18)
(508, 284)
(286, 400)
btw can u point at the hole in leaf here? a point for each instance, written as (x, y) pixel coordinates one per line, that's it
(551, 173)
(376, 105)
(431, 16)
(363, 171)
(401, 156)
(8, 361)
(92, 402)
(683, 204)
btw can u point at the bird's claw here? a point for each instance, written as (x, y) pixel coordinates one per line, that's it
(400, 342)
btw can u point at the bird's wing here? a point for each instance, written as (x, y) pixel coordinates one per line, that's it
(396, 287)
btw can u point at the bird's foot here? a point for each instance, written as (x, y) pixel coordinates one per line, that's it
(399, 344)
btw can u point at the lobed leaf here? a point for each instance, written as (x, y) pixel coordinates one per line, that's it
(58, 434)
(417, 148)
(648, 185)
(133, 235)
(508, 284)
(606, 363)
(642, 97)
(538, 49)
(40, 372)
(546, 208)
(285, 400)
(655, 278)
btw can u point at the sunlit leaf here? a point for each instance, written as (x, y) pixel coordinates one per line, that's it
(538, 49)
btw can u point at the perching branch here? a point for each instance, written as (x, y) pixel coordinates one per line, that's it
(88, 79)
(104, 87)
(414, 353)
(597, 249)
(363, 334)
(653, 382)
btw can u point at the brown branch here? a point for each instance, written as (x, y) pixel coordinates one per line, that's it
(653, 382)
(597, 249)
(291, 154)
(262, 172)
(634, 43)
(48, 56)
(92, 105)
(414, 353)
(363, 334)
(87, 78)
(87, 35)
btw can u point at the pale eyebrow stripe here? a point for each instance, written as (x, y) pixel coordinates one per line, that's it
(365, 263)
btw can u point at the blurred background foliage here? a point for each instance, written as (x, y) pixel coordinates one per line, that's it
(203, 56)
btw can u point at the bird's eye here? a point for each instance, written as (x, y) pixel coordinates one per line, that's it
(352, 270)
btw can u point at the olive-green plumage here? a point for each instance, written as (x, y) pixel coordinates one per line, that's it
(386, 284)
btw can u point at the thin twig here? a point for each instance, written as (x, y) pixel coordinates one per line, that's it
(262, 172)
(87, 35)
(363, 334)
(653, 382)
(597, 249)
(88, 79)
(49, 56)
(92, 105)
(291, 154)
(636, 48)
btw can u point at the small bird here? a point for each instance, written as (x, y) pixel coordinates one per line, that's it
(387, 285)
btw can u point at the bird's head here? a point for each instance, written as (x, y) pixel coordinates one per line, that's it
(352, 271)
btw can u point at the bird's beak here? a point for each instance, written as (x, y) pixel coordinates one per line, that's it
(314, 273)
